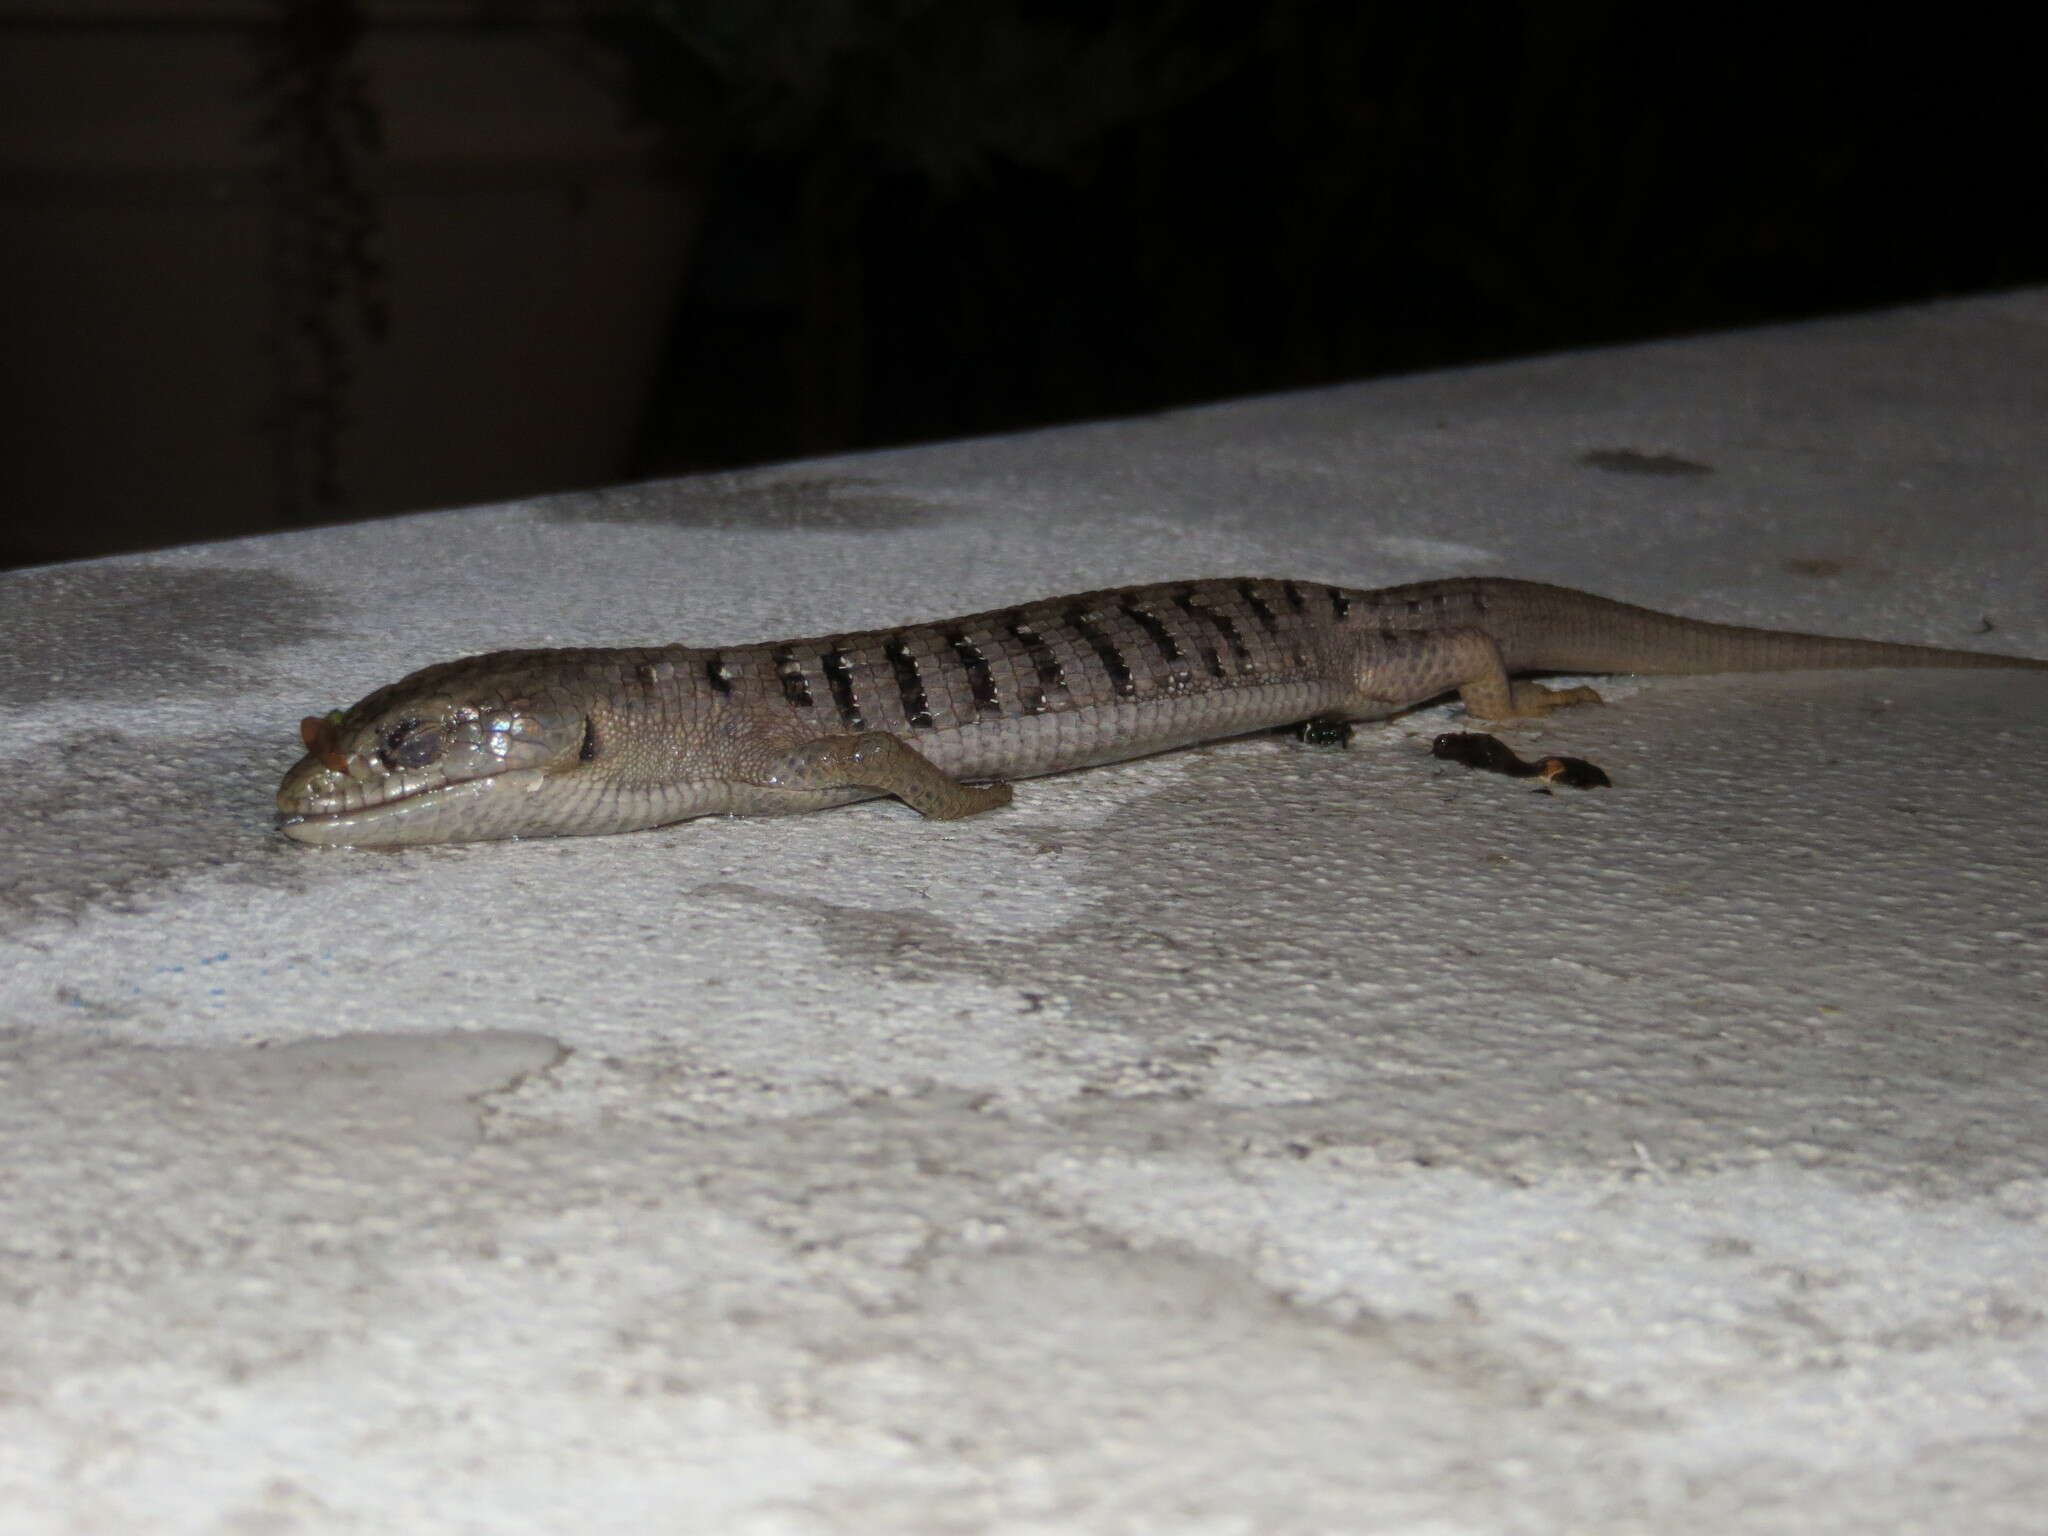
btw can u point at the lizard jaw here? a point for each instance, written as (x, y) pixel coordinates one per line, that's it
(476, 809)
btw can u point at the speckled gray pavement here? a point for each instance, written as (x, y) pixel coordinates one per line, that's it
(1248, 1141)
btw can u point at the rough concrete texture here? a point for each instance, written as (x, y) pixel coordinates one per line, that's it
(1249, 1140)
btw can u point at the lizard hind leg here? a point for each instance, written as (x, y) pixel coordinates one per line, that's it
(1481, 677)
(1500, 698)
(1399, 668)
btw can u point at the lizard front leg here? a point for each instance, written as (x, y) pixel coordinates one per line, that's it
(876, 760)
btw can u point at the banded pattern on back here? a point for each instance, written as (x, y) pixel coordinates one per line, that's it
(1129, 645)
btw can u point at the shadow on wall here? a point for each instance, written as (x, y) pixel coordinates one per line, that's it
(262, 272)
(333, 258)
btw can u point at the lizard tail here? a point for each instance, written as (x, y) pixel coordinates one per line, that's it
(1555, 629)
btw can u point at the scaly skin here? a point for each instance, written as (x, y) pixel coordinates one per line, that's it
(553, 743)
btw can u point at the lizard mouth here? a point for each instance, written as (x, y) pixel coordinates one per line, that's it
(473, 810)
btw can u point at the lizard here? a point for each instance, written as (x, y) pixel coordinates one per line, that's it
(943, 715)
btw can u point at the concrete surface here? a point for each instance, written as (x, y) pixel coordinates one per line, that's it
(1250, 1140)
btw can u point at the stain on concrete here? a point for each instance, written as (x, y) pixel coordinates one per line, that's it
(104, 821)
(383, 1087)
(1630, 461)
(135, 1140)
(125, 631)
(1819, 567)
(777, 502)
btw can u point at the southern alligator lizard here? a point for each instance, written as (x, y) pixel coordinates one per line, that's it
(940, 715)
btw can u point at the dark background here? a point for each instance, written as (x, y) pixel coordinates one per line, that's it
(1369, 189)
(926, 221)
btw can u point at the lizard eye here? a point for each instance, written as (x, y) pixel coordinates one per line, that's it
(411, 744)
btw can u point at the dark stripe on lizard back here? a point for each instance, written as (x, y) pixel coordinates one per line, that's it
(838, 664)
(979, 679)
(1162, 638)
(1241, 654)
(1051, 691)
(1262, 610)
(796, 688)
(1080, 618)
(1198, 616)
(916, 708)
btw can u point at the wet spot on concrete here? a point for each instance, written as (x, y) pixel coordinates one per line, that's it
(778, 502)
(1629, 461)
(1818, 567)
(126, 631)
(102, 821)
(158, 1142)
(386, 1089)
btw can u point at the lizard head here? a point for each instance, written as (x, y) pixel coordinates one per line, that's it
(454, 753)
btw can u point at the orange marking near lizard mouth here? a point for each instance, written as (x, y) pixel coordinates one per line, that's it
(317, 732)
